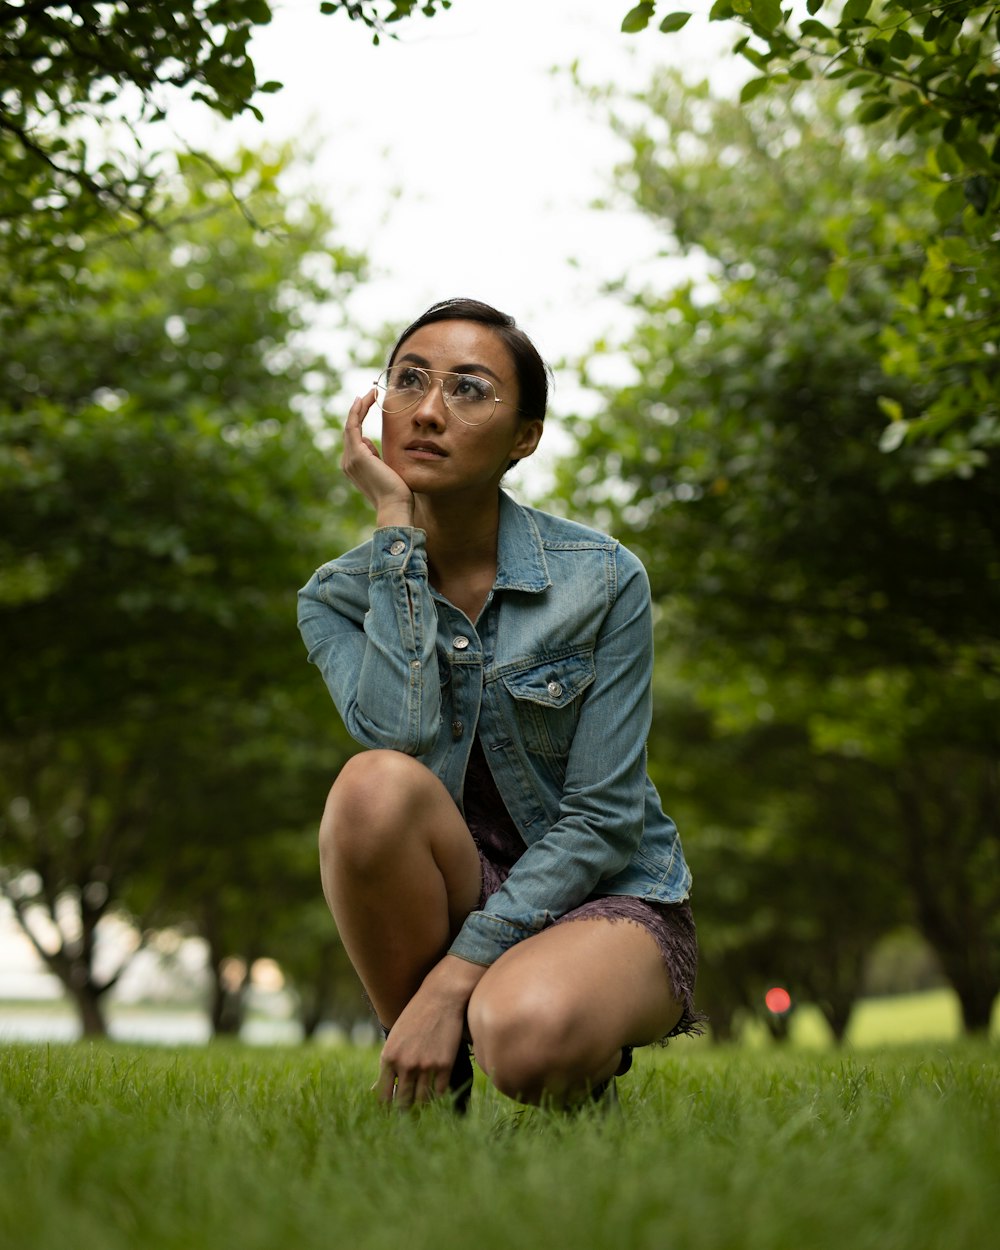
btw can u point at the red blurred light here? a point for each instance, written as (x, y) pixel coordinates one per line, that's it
(778, 1000)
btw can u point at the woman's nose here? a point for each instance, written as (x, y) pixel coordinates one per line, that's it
(432, 406)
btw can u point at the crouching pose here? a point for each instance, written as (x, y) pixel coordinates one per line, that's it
(498, 864)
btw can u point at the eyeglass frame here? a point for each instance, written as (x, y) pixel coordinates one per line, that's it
(440, 374)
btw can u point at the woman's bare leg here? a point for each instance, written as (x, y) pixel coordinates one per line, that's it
(400, 872)
(550, 1017)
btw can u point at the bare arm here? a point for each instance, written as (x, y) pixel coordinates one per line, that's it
(418, 1057)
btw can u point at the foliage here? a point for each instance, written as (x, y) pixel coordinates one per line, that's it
(832, 618)
(161, 498)
(928, 70)
(70, 71)
(111, 1148)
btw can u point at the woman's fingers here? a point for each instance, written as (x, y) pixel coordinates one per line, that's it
(354, 440)
(406, 1085)
(405, 1090)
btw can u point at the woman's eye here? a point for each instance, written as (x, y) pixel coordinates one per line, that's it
(471, 389)
(407, 379)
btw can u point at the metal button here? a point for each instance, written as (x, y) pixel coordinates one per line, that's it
(460, 643)
(554, 689)
(457, 729)
(397, 548)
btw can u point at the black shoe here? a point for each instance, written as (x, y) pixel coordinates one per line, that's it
(605, 1093)
(460, 1081)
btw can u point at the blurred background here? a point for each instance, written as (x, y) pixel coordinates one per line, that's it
(759, 252)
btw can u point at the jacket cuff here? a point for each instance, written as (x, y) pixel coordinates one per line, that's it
(397, 547)
(483, 938)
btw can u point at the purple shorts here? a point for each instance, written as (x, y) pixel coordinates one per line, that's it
(671, 925)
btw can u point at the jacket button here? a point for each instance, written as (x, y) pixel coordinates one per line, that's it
(457, 729)
(397, 548)
(460, 643)
(554, 689)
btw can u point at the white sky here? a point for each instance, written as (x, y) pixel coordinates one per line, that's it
(461, 165)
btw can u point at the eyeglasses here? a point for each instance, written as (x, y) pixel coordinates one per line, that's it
(470, 398)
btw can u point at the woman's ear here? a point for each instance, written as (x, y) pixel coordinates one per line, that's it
(527, 440)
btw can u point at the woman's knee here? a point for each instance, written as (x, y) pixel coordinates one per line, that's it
(370, 806)
(523, 1038)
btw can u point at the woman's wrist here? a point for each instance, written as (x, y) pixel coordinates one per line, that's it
(392, 515)
(453, 979)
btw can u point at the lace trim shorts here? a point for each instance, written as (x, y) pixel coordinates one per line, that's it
(670, 924)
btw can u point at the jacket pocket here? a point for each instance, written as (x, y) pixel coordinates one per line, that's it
(547, 698)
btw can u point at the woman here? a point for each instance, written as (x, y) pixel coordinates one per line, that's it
(497, 863)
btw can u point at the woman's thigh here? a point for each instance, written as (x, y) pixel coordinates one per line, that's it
(556, 1009)
(390, 825)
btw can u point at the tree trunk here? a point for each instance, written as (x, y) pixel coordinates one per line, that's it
(228, 1006)
(310, 1018)
(87, 998)
(974, 986)
(963, 950)
(837, 1014)
(778, 1026)
(956, 909)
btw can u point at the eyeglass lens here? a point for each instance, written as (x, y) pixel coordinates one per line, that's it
(470, 398)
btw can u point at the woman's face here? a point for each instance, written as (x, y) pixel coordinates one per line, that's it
(426, 444)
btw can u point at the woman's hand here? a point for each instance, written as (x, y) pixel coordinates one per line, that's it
(420, 1052)
(380, 485)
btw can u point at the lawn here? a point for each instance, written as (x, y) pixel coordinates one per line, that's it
(104, 1147)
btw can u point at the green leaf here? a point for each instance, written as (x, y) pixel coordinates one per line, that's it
(877, 52)
(767, 13)
(855, 11)
(956, 250)
(973, 154)
(800, 71)
(949, 202)
(638, 18)
(836, 281)
(721, 11)
(875, 111)
(894, 435)
(813, 6)
(951, 129)
(901, 43)
(979, 191)
(892, 408)
(812, 29)
(752, 89)
(674, 21)
(947, 159)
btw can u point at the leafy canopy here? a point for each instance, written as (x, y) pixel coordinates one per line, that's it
(929, 70)
(67, 70)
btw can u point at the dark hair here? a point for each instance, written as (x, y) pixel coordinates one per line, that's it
(532, 371)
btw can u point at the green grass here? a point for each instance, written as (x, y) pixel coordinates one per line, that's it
(105, 1147)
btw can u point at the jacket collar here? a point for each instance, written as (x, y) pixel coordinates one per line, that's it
(520, 554)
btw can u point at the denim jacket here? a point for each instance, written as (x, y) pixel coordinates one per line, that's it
(555, 676)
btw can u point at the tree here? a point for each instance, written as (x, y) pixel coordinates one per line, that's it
(775, 831)
(161, 497)
(928, 70)
(70, 72)
(806, 580)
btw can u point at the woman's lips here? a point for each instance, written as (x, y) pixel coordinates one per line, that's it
(425, 451)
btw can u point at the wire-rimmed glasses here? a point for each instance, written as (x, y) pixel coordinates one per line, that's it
(467, 396)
